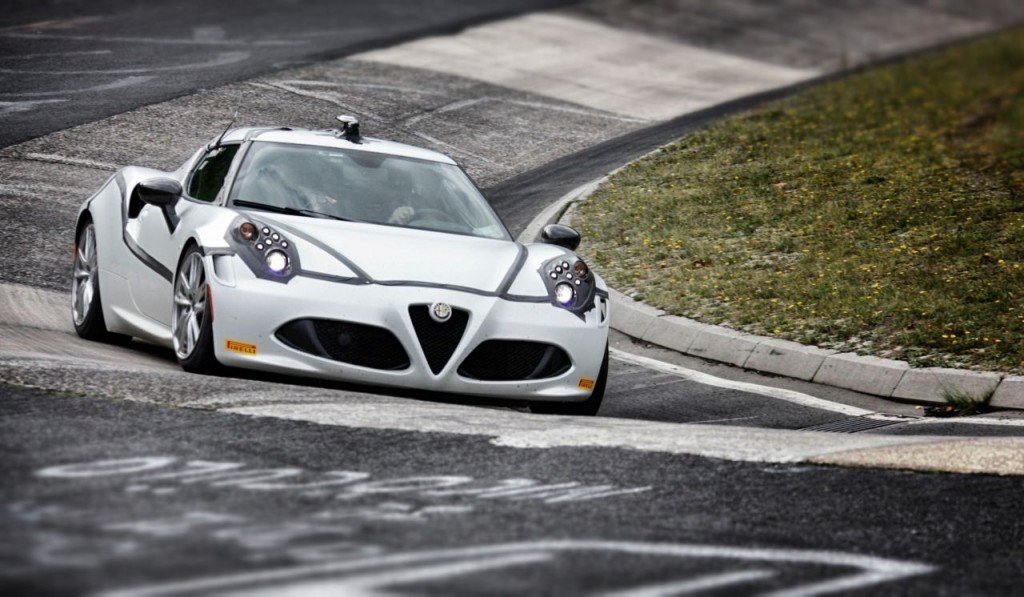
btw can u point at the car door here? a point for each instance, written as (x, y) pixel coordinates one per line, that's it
(159, 235)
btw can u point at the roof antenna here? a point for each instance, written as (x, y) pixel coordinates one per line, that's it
(349, 129)
(234, 117)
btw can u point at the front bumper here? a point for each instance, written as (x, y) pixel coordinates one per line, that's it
(248, 311)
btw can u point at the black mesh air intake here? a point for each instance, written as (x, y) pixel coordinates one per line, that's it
(514, 360)
(352, 343)
(438, 340)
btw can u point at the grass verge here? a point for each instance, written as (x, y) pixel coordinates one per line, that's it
(882, 213)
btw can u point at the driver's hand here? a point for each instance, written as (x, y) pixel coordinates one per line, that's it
(402, 215)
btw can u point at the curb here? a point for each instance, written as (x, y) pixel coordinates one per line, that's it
(886, 378)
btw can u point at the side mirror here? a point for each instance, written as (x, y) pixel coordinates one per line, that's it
(563, 236)
(159, 192)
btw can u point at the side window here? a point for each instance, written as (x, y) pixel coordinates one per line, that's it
(208, 177)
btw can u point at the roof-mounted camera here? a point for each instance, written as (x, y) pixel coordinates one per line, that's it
(349, 129)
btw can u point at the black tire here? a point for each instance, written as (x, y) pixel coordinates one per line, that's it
(199, 358)
(87, 315)
(587, 408)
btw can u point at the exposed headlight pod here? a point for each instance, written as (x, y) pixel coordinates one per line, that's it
(564, 294)
(267, 252)
(277, 261)
(570, 284)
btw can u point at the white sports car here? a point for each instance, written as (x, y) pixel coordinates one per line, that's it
(331, 255)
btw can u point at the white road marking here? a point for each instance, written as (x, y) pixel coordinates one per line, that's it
(49, 54)
(371, 583)
(222, 59)
(118, 84)
(171, 41)
(14, 107)
(466, 103)
(54, 23)
(105, 468)
(1003, 422)
(38, 190)
(694, 585)
(792, 396)
(69, 161)
(309, 579)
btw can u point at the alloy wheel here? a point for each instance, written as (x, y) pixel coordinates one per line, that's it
(190, 296)
(83, 285)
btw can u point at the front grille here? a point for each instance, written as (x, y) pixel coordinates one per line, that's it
(438, 340)
(347, 342)
(514, 360)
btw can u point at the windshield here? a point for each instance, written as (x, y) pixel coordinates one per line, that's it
(365, 187)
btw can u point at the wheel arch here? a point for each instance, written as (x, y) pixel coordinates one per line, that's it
(190, 242)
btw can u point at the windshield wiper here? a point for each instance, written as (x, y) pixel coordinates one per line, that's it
(294, 211)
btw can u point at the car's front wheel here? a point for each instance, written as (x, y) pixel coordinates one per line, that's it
(588, 407)
(192, 321)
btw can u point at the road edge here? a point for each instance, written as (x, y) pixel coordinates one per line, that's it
(885, 378)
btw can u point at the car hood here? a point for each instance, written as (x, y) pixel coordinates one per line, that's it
(392, 253)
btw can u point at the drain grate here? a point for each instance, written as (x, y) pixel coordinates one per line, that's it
(854, 425)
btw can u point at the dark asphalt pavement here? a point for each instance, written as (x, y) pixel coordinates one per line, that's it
(208, 500)
(66, 63)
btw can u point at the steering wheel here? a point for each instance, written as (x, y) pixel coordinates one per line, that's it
(429, 213)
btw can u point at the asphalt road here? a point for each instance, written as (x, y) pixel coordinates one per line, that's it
(66, 63)
(196, 502)
(104, 495)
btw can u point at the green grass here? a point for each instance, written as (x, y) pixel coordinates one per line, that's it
(962, 404)
(882, 213)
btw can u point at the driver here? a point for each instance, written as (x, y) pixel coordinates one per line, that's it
(402, 192)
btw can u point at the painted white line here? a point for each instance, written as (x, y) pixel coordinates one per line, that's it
(694, 585)
(155, 40)
(799, 397)
(373, 583)
(1006, 422)
(38, 190)
(329, 96)
(69, 161)
(466, 103)
(867, 570)
(14, 107)
(794, 397)
(49, 54)
(118, 84)
(54, 23)
(222, 59)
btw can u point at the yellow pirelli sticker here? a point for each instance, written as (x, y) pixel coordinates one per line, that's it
(586, 383)
(242, 347)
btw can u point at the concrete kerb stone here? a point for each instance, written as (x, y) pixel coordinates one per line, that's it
(866, 374)
(676, 333)
(933, 384)
(1010, 393)
(790, 359)
(630, 317)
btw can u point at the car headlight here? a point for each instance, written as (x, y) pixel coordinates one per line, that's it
(267, 252)
(570, 283)
(277, 261)
(564, 294)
